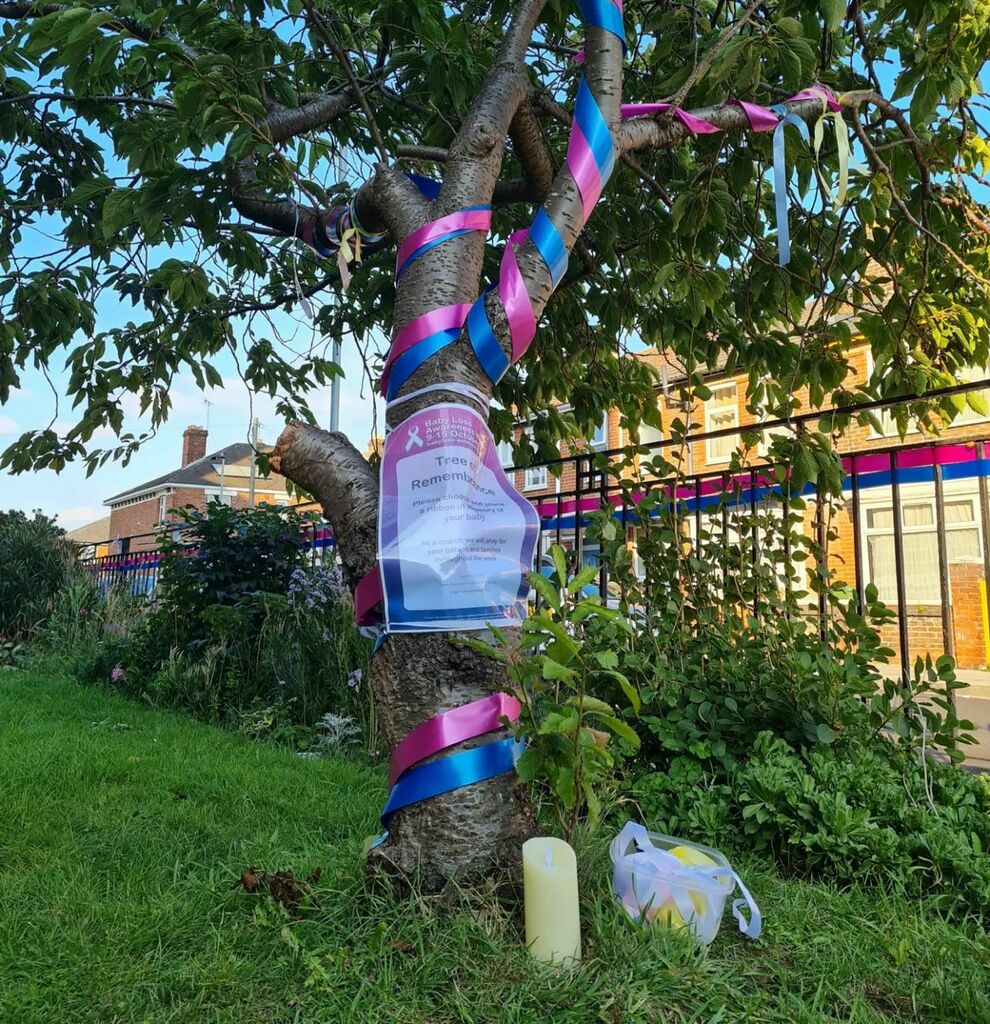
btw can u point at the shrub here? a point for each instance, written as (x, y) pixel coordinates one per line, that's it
(766, 726)
(36, 560)
(240, 632)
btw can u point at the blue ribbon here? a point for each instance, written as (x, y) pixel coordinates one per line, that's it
(550, 245)
(780, 178)
(411, 360)
(589, 119)
(486, 347)
(430, 187)
(463, 769)
(605, 15)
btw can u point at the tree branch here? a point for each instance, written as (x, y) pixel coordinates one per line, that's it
(321, 26)
(531, 151)
(708, 58)
(64, 97)
(330, 468)
(286, 122)
(475, 157)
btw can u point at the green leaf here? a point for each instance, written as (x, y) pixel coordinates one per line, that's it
(924, 101)
(833, 12)
(590, 705)
(621, 729)
(559, 557)
(554, 670)
(630, 691)
(118, 210)
(529, 763)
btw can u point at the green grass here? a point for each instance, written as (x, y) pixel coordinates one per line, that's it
(122, 829)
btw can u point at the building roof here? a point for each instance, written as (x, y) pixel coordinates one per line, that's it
(204, 473)
(91, 533)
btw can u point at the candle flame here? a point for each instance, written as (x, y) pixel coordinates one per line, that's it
(548, 857)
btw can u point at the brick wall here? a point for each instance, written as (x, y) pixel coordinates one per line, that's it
(131, 520)
(965, 577)
(142, 517)
(924, 632)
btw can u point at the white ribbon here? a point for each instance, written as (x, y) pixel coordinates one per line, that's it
(649, 862)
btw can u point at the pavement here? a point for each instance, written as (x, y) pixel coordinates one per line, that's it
(973, 704)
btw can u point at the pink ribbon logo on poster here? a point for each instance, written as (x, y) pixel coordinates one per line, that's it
(455, 538)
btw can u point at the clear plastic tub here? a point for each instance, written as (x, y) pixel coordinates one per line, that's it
(675, 883)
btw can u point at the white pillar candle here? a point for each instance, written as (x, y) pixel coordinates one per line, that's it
(553, 922)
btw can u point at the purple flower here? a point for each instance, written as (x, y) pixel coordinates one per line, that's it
(117, 674)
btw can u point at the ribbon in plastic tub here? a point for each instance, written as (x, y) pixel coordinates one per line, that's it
(655, 884)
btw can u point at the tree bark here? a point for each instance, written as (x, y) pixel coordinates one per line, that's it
(472, 834)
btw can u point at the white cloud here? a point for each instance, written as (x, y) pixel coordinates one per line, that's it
(79, 515)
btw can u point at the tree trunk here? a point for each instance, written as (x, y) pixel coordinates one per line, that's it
(472, 834)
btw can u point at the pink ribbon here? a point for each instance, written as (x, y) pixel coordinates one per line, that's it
(462, 220)
(817, 92)
(450, 727)
(761, 119)
(584, 169)
(695, 125)
(443, 319)
(515, 298)
(367, 594)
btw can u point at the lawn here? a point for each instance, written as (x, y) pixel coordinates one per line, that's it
(123, 829)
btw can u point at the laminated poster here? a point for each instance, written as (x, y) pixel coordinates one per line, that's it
(455, 538)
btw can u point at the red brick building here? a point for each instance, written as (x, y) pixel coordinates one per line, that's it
(727, 410)
(138, 514)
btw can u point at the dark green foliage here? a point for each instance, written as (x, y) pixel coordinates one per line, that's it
(854, 812)
(237, 553)
(766, 727)
(240, 632)
(35, 562)
(125, 120)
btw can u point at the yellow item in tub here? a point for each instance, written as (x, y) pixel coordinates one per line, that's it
(667, 913)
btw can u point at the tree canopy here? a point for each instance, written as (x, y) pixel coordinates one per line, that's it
(170, 155)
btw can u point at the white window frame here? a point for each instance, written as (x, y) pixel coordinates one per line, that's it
(506, 457)
(710, 410)
(162, 508)
(917, 494)
(967, 418)
(534, 477)
(227, 498)
(602, 427)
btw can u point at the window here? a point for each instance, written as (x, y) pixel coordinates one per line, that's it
(649, 435)
(721, 413)
(888, 421)
(162, 508)
(226, 498)
(921, 569)
(505, 457)
(764, 446)
(600, 438)
(535, 478)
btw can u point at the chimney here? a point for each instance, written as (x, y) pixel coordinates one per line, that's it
(193, 444)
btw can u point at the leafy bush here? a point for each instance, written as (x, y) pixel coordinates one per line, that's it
(240, 632)
(755, 687)
(224, 557)
(562, 665)
(36, 560)
(854, 811)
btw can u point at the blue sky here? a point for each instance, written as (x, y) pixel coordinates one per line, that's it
(78, 500)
